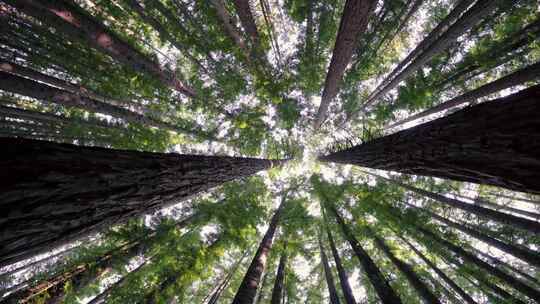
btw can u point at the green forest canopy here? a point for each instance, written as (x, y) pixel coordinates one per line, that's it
(406, 133)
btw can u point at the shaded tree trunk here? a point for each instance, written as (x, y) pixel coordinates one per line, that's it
(484, 202)
(243, 10)
(492, 143)
(522, 76)
(230, 29)
(515, 283)
(93, 188)
(248, 288)
(352, 26)
(421, 288)
(277, 292)
(385, 292)
(334, 299)
(68, 19)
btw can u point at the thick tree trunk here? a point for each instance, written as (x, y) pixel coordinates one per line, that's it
(54, 193)
(469, 19)
(334, 299)
(465, 296)
(421, 288)
(381, 285)
(343, 277)
(353, 25)
(248, 288)
(68, 19)
(515, 283)
(492, 143)
(30, 88)
(277, 292)
(522, 76)
(525, 254)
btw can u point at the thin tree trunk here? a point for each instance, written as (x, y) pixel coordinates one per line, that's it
(492, 143)
(484, 202)
(514, 198)
(334, 299)
(67, 19)
(230, 28)
(277, 292)
(421, 288)
(343, 277)
(94, 188)
(243, 10)
(381, 285)
(215, 296)
(522, 76)
(352, 26)
(30, 88)
(515, 283)
(248, 288)
(465, 296)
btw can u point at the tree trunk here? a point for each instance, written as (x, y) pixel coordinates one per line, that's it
(215, 296)
(515, 198)
(68, 19)
(230, 28)
(522, 76)
(381, 285)
(492, 143)
(343, 277)
(277, 292)
(465, 296)
(469, 19)
(352, 26)
(248, 288)
(484, 202)
(30, 88)
(94, 188)
(243, 10)
(421, 288)
(334, 299)
(525, 254)
(525, 289)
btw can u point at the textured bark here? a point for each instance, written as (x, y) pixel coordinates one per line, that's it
(334, 299)
(469, 19)
(465, 296)
(52, 193)
(68, 19)
(248, 288)
(385, 292)
(522, 76)
(515, 283)
(343, 277)
(277, 292)
(352, 26)
(30, 88)
(494, 143)
(525, 254)
(421, 288)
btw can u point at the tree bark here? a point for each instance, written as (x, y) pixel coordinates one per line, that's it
(230, 28)
(421, 288)
(522, 76)
(385, 292)
(352, 26)
(465, 296)
(492, 143)
(53, 193)
(248, 288)
(243, 10)
(277, 292)
(334, 299)
(515, 283)
(68, 19)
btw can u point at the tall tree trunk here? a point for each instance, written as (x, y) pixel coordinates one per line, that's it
(516, 198)
(277, 292)
(30, 88)
(243, 10)
(248, 288)
(232, 31)
(343, 277)
(352, 26)
(465, 296)
(484, 202)
(217, 293)
(492, 143)
(94, 188)
(381, 285)
(470, 18)
(421, 288)
(524, 75)
(334, 299)
(260, 292)
(68, 19)
(515, 283)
